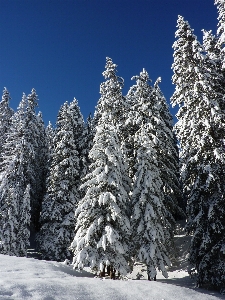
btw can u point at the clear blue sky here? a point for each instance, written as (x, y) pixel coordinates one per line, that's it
(59, 47)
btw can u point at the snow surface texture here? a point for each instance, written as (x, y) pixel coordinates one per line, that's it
(29, 278)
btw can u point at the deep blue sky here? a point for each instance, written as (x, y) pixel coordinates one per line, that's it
(59, 46)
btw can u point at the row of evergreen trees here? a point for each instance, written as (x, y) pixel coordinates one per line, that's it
(118, 173)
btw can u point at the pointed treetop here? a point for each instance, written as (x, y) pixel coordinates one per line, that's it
(142, 78)
(49, 124)
(181, 22)
(5, 95)
(32, 99)
(110, 67)
(75, 112)
(110, 72)
(23, 103)
(184, 28)
(184, 33)
(63, 107)
(74, 102)
(60, 119)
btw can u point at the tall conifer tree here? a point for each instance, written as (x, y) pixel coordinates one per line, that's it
(168, 156)
(14, 188)
(36, 171)
(201, 130)
(57, 216)
(221, 31)
(149, 214)
(5, 115)
(103, 228)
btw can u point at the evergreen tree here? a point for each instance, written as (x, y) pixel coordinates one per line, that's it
(36, 171)
(150, 218)
(78, 132)
(168, 157)
(57, 216)
(23, 171)
(102, 230)
(14, 188)
(5, 115)
(112, 88)
(187, 51)
(201, 130)
(221, 31)
(41, 166)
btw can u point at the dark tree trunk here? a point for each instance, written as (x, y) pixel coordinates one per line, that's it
(112, 273)
(102, 273)
(150, 279)
(108, 270)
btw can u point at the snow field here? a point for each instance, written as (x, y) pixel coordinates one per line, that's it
(29, 278)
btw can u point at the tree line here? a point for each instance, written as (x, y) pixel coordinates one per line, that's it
(108, 191)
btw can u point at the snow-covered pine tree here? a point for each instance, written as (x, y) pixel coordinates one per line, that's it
(217, 52)
(57, 216)
(112, 89)
(185, 63)
(103, 227)
(36, 170)
(151, 234)
(221, 31)
(41, 164)
(78, 131)
(5, 115)
(150, 227)
(168, 157)
(14, 202)
(130, 128)
(201, 130)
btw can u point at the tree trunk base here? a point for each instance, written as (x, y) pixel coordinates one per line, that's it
(102, 273)
(150, 279)
(112, 273)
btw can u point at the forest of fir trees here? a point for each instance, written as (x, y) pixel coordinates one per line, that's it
(107, 192)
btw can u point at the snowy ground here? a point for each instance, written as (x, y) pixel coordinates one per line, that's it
(29, 278)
